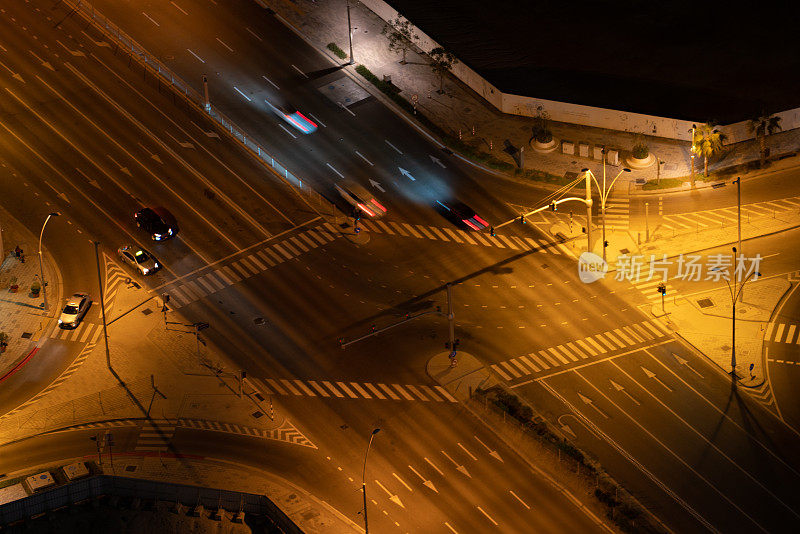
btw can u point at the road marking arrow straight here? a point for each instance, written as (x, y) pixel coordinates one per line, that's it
(434, 466)
(618, 387)
(60, 194)
(403, 482)
(589, 402)
(567, 429)
(406, 174)
(44, 63)
(360, 155)
(681, 361)
(392, 497)
(463, 448)
(376, 185)
(459, 468)
(437, 161)
(493, 453)
(14, 75)
(520, 500)
(121, 168)
(651, 374)
(425, 482)
(91, 181)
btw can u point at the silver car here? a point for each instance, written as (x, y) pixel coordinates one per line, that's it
(74, 310)
(139, 259)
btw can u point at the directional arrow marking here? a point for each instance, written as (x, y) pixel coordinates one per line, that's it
(622, 389)
(568, 430)
(121, 168)
(394, 498)
(590, 402)
(406, 174)
(460, 468)
(492, 453)
(425, 482)
(61, 195)
(651, 374)
(437, 161)
(91, 181)
(14, 75)
(434, 466)
(403, 482)
(463, 448)
(681, 361)
(44, 63)
(376, 185)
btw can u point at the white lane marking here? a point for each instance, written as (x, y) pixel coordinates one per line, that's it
(225, 45)
(287, 131)
(394, 147)
(270, 81)
(346, 109)
(360, 155)
(468, 453)
(451, 528)
(402, 482)
(298, 70)
(487, 515)
(254, 34)
(520, 500)
(97, 43)
(334, 170)
(317, 119)
(150, 19)
(434, 466)
(179, 8)
(241, 93)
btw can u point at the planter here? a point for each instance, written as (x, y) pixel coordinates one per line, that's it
(13, 288)
(544, 147)
(640, 163)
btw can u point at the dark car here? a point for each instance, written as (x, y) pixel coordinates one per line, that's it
(158, 222)
(461, 214)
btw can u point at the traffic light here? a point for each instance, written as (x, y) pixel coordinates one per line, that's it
(605, 244)
(491, 231)
(522, 219)
(662, 288)
(553, 206)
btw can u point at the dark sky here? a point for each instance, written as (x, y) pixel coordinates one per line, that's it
(697, 61)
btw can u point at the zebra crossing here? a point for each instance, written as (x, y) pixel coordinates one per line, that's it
(155, 435)
(352, 390)
(433, 233)
(246, 266)
(719, 217)
(783, 333)
(116, 277)
(598, 345)
(286, 432)
(83, 333)
(618, 213)
(649, 288)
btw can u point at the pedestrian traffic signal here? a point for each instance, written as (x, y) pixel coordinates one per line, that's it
(522, 219)
(491, 231)
(553, 206)
(662, 288)
(605, 244)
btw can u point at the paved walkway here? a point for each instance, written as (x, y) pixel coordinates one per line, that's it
(21, 313)
(461, 113)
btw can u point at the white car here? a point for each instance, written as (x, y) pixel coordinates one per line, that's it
(74, 310)
(139, 259)
(360, 198)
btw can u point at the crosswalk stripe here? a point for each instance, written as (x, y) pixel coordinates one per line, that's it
(576, 350)
(225, 280)
(628, 329)
(274, 385)
(87, 332)
(305, 388)
(330, 228)
(398, 228)
(375, 391)
(402, 392)
(625, 338)
(347, 390)
(530, 364)
(388, 391)
(518, 363)
(520, 243)
(532, 244)
(332, 388)
(412, 231)
(790, 334)
(563, 249)
(239, 269)
(316, 235)
(511, 369)
(282, 251)
(613, 338)
(604, 342)
(427, 234)
(539, 361)
(501, 372)
(266, 257)
(569, 355)
(250, 266)
(466, 237)
(206, 285)
(385, 227)
(254, 260)
(431, 393)
(652, 328)
(360, 390)
(508, 242)
(305, 238)
(416, 392)
(453, 235)
(288, 385)
(643, 332)
(277, 257)
(558, 355)
(440, 234)
(660, 327)
(549, 359)
(369, 225)
(445, 394)
(288, 246)
(768, 333)
(779, 333)
(586, 347)
(496, 242)
(298, 243)
(181, 294)
(478, 237)
(319, 388)
(230, 274)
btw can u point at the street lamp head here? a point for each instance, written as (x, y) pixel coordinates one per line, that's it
(734, 250)
(585, 169)
(626, 169)
(376, 431)
(54, 214)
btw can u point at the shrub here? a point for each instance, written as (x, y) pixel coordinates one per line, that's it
(640, 151)
(333, 47)
(666, 183)
(542, 134)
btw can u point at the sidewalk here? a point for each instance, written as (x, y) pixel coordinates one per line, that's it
(463, 114)
(22, 316)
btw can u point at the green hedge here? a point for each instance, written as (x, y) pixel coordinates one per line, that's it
(666, 183)
(333, 47)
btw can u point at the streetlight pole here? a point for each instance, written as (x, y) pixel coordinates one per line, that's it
(364, 479)
(735, 292)
(605, 192)
(694, 127)
(41, 266)
(646, 222)
(102, 301)
(350, 33)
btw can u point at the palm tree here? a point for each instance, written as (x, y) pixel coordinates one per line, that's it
(707, 142)
(766, 124)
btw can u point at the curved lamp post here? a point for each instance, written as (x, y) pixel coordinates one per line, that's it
(604, 194)
(41, 268)
(364, 479)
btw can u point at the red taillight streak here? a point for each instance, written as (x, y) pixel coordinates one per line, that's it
(470, 224)
(366, 210)
(481, 221)
(380, 206)
(312, 123)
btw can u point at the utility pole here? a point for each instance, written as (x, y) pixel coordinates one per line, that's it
(207, 102)
(452, 344)
(102, 301)
(364, 480)
(41, 267)
(646, 221)
(694, 127)
(350, 34)
(588, 210)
